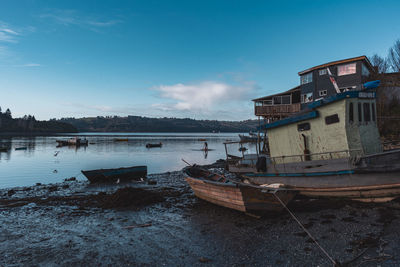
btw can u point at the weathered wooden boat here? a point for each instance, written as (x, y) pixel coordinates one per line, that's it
(113, 175)
(73, 142)
(21, 148)
(236, 195)
(150, 145)
(331, 150)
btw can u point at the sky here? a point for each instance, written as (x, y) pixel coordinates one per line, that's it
(186, 59)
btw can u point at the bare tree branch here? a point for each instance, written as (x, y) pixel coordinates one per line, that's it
(381, 63)
(394, 56)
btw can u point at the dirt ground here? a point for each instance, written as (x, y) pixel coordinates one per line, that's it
(164, 224)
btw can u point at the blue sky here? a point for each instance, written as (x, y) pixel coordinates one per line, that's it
(197, 59)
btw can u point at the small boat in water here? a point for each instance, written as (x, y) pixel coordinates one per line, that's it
(219, 190)
(3, 149)
(73, 142)
(150, 145)
(21, 148)
(121, 140)
(252, 137)
(113, 175)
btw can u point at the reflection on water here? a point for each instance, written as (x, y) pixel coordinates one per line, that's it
(43, 162)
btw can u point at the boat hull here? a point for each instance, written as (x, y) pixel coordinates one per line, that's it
(241, 197)
(368, 187)
(113, 175)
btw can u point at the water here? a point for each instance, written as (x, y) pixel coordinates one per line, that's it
(38, 164)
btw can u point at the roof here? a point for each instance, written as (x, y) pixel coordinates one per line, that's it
(365, 58)
(297, 88)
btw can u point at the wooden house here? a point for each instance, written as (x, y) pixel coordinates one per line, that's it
(278, 106)
(349, 74)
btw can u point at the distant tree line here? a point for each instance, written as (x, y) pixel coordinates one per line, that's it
(145, 124)
(29, 124)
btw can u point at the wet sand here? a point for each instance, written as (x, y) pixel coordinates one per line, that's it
(75, 223)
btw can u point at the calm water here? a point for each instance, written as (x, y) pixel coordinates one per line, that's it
(38, 164)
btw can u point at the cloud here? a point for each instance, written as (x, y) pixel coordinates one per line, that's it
(204, 96)
(30, 65)
(68, 17)
(7, 34)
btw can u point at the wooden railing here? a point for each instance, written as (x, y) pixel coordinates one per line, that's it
(277, 110)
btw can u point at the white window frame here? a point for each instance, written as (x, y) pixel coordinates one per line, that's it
(322, 72)
(305, 98)
(344, 71)
(323, 92)
(364, 70)
(306, 78)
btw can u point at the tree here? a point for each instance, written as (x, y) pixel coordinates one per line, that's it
(380, 63)
(8, 113)
(394, 56)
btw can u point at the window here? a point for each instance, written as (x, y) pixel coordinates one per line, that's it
(323, 92)
(306, 78)
(332, 119)
(303, 127)
(347, 69)
(306, 98)
(351, 113)
(367, 112)
(364, 70)
(322, 72)
(373, 111)
(359, 112)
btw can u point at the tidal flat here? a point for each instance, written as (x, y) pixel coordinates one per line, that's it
(164, 224)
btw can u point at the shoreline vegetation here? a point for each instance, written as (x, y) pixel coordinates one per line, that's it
(146, 124)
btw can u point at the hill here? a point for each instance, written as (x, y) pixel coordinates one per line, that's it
(144, 124)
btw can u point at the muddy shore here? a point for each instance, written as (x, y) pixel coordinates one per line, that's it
(164, 224)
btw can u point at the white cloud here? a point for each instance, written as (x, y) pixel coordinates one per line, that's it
(7, 34)
(69, 17)
(31, 65)
(204, 96)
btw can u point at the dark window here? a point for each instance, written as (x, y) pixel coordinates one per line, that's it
(373, 111)
(351, 113)
(303, 127)
(367, 112)
(332, 119)
(359, 113)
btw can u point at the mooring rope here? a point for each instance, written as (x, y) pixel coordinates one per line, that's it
(307, 232)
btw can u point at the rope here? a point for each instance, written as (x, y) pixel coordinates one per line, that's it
(307, 232)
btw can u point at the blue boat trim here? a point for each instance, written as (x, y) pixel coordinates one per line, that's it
(299, 174)
(310, 115)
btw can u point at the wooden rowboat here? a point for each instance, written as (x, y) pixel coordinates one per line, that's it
(113, 175)
(248, 198)
(121, 140)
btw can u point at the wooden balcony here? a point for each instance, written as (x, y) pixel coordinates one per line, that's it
(276, 111)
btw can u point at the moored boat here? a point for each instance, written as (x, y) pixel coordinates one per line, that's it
(219, 190)
(73, 142)
(21, 148)
(113, 175)
(332, 149)
(3, 149)
(150, 145)
(121, 140)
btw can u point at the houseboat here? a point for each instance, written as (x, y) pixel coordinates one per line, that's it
(332, 148)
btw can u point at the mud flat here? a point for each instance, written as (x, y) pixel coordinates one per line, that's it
(164, 224)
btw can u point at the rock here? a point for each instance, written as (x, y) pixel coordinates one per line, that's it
(10, 192)
(151, 182)
(70, 179)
